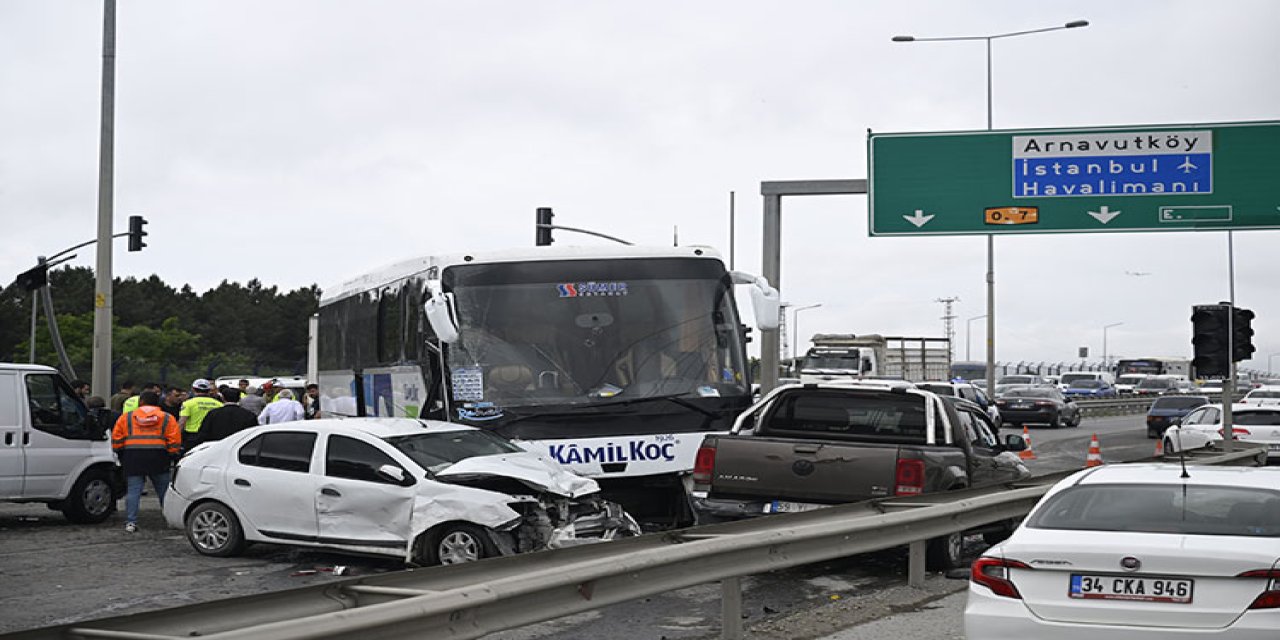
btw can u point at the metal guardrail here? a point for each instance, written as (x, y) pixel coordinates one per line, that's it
(469, 601)
(1131, 404)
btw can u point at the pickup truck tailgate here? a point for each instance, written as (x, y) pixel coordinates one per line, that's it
(811, 471)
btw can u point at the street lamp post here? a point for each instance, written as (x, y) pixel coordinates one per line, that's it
(991, 247)
(968, 329)
(1105, 362)
(795, 335)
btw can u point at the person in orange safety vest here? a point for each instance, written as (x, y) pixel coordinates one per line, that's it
(146, 440)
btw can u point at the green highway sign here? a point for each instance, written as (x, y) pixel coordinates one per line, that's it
(1142, 178)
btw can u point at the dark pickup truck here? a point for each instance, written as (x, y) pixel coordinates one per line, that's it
(807, 446)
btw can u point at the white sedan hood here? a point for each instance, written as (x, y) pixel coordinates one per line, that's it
(529, 468)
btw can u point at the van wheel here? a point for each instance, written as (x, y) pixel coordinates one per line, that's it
(458, 544)
(91, 499)
(945, 553)
(214, 530)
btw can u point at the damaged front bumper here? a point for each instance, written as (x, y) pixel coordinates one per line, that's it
(552, 522)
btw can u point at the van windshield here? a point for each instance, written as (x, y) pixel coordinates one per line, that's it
(1068, 378)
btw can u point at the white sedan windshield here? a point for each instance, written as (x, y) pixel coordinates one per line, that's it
(436, 451)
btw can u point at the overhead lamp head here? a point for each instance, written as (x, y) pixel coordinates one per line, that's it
(1077, 23)
(904, 38)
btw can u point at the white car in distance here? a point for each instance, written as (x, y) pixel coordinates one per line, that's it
(1263, 396)
(1137, 552)
(1203, 428)
(428, 492)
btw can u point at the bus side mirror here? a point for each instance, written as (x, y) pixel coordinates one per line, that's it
(766, 302)
(439, 308)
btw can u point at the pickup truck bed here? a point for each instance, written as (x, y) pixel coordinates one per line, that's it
(812, 445)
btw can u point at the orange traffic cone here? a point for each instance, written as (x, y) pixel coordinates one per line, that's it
(1159, 448)
(1027, 454)
(1094, 459)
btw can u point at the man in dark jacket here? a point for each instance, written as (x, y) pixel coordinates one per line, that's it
(227, 419)
(145, 440)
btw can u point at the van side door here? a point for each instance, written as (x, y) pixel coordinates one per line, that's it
(58, 444)
(12, 459)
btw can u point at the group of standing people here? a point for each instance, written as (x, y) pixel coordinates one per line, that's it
(157, 425)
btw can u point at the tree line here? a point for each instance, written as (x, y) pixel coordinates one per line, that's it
(166, 334)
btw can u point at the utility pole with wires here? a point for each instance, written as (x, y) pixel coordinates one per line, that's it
(949, 323)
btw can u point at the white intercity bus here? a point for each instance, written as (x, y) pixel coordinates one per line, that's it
(614, 361)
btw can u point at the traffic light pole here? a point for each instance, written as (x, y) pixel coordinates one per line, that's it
(101, 380)
(1229, 393)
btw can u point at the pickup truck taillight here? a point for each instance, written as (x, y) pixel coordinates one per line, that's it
(703, 465)
(909, 477)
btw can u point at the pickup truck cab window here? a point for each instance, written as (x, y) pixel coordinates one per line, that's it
(986, 431)
(887, 416)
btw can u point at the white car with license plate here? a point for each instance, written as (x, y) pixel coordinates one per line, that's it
(1259, 424)
(1134, 552)
(428, 492)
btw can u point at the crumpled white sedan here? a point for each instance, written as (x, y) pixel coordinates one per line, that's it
(1137, 551)
(429, 492)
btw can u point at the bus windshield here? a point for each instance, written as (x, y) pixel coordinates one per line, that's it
(593, 332)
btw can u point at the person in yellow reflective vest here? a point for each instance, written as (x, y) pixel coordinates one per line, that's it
(132, 403)
(145, 440)
(201, 402)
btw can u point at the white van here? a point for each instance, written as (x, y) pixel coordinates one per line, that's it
(51, 449)
(1071, 376)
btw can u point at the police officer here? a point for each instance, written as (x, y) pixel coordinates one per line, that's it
(201, 402)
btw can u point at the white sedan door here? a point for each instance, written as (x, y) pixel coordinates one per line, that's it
(270, 483)
(357, 508)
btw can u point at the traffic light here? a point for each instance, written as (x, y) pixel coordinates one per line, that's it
(1242, 340)
(33, 278)
(543, 236)
(136, 223)
(1209, 340)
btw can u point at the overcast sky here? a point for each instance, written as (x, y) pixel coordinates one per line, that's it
(309, 141)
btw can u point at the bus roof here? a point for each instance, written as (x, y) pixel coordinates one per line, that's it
(396, 271)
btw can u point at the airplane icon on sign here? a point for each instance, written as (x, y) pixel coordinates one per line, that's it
(1186, 166)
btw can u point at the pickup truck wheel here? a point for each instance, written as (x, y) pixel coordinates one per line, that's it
(91, 500)
(945, 553)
